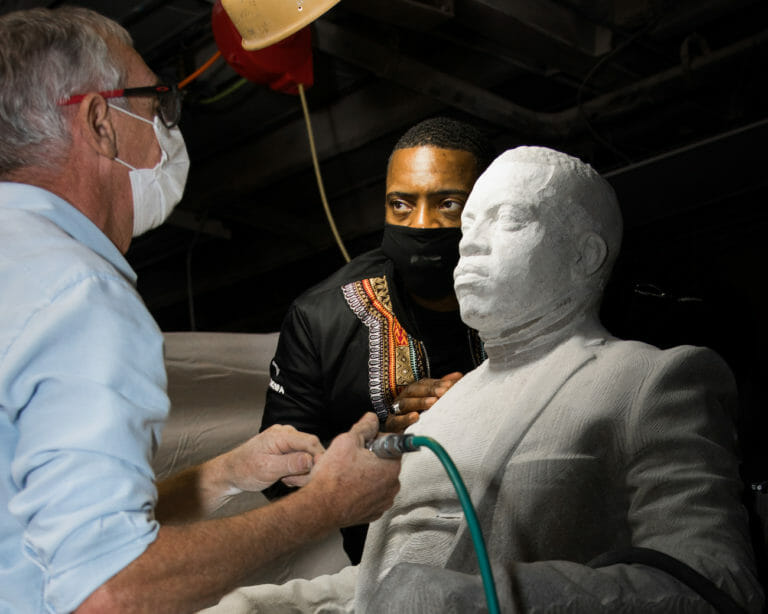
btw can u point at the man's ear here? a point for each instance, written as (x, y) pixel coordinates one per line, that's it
(93, 124)
(593, 252)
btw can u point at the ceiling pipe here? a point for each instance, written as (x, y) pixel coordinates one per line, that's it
(196, 29)
(142, 10)
(479, 102)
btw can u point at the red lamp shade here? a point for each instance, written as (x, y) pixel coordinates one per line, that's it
(281, 66)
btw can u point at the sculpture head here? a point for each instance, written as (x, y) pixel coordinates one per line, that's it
(541, 231)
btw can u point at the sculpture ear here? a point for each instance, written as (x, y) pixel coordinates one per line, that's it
(593, 252)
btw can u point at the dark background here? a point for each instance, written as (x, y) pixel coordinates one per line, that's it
(666, 98)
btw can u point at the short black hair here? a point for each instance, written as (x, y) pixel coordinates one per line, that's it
(448, 133)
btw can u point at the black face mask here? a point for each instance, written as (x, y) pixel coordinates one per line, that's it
(424, 258)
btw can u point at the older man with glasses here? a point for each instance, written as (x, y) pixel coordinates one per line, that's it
(90, 156)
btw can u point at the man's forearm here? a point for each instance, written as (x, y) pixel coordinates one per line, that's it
(192, 494)
(280, 452)
(191, 566)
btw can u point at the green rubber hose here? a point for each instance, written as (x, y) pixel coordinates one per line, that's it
(469, 513)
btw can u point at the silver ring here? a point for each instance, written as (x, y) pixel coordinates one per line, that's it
(395, 408)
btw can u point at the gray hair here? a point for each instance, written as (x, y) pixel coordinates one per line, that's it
(47, 55)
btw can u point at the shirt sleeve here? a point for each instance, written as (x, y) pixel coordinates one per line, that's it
(296, 393)
(87, 382)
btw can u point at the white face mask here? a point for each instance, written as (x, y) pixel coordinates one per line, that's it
(157, 190)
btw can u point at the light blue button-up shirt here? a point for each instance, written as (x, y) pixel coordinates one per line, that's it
(82, 401)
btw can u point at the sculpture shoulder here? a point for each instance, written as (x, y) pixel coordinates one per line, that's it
(640, 352)
(623, 360)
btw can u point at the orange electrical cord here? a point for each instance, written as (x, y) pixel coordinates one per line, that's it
(200, 70)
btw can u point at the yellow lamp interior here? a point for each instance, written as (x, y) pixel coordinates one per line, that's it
(262, 23)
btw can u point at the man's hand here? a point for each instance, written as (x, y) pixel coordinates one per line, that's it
(280, 452)
(418, 397)
(356, 485)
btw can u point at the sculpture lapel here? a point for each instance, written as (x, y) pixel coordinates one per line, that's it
(549, 378)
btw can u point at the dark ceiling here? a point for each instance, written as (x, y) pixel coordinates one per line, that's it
(666, 97)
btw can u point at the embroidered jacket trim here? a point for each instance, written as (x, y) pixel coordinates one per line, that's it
(395, 358)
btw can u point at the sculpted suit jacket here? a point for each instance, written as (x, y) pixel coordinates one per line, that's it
(610, 444)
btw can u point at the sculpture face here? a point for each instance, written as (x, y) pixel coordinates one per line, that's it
(516, 252)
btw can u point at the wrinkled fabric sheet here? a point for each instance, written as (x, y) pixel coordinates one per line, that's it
(217, 384)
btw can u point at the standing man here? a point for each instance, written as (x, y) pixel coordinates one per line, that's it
(90, 156)
(384, 333)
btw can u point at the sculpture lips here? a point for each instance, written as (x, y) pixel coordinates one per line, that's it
(465, 275)
(471, 282)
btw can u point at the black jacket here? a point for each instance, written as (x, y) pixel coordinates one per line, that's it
(330, 366)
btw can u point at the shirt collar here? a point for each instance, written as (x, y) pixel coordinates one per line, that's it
(70, 220)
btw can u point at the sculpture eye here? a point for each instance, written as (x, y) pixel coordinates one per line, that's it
(512, 219)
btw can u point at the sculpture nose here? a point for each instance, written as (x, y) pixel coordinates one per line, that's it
(470, 244)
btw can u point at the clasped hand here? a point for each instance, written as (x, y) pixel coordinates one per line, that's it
(418, 397)
(279, 453)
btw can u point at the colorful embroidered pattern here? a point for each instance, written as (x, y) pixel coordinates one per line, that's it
(395, 358)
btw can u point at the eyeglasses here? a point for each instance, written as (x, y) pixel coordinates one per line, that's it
(168, 96)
